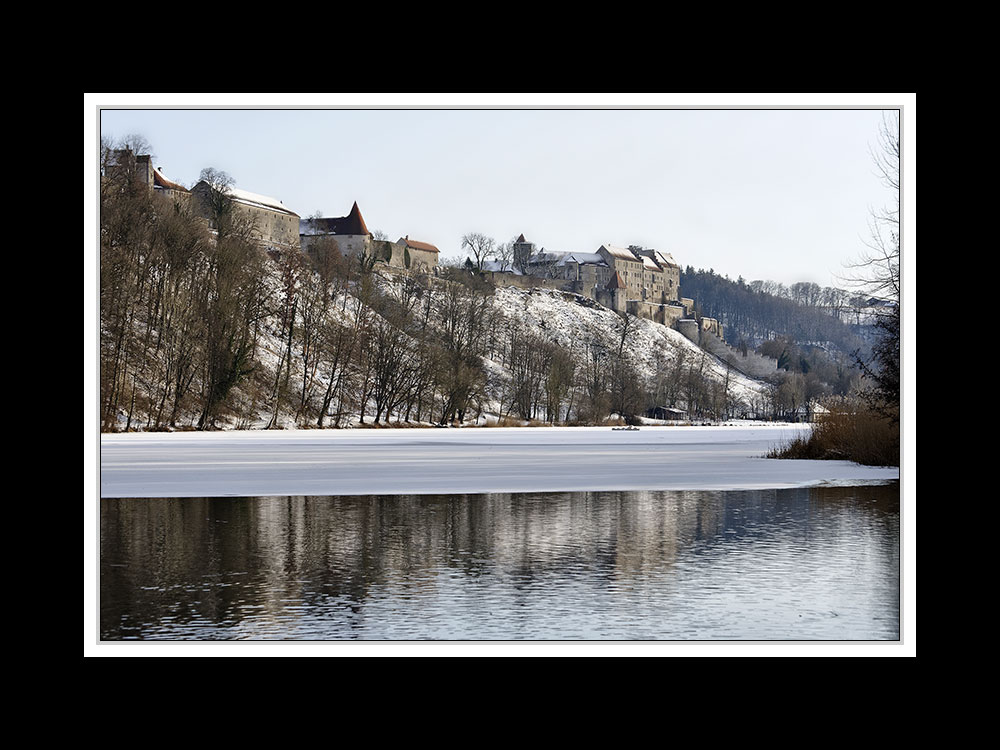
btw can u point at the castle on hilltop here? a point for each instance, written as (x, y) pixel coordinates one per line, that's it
(353, 238)
(640, 281)
(634, 280)
(276, 227)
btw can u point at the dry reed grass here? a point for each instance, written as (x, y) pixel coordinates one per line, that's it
(849, 434)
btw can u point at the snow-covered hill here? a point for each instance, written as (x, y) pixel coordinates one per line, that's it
(576, 322)
(656, 355)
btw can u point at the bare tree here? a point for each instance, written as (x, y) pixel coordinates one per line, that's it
(218, 198)
(505, 255)
(562, 370)
(232, 308)
(806, 293)
(877, 273)
(464, 314)
(292, 268)
(877, 270)
(480, 246)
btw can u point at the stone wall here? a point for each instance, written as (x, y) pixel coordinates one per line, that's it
(689, 329)
(712, 326)
(270, 227)
(751, 363)
(273, 227)
(589, 277)
(530, 282)
(661, 313)
(419, 258)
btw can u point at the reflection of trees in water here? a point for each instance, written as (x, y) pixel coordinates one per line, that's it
(179, 558)
(217, 560)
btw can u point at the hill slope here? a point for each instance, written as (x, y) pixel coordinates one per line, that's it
(398, 350)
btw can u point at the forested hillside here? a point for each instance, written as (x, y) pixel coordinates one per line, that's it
(759, 311)
(201, 329)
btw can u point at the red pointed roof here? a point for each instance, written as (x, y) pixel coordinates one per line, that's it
(616, 282)
(521, 239)
(353, 223)
(355, 216)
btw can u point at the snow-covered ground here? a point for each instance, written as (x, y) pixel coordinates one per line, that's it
(568, 320)
(469, 460)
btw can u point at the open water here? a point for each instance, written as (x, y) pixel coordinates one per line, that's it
(814, 564)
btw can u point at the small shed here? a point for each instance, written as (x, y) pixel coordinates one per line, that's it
(665, 412)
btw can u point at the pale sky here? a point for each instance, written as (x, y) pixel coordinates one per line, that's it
(781, 194)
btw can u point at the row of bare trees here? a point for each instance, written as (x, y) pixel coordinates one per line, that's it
(542, 380)
(200, 326)
(180, 305)
(191, 308)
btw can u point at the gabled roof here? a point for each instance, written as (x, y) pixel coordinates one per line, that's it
(498, 267)
(418, 245)
(263, 201)
(162, 182)
(520, 238)
(582, 258)
(353, 223)
(665, 259)
(620, 252)
(649, 264)
(616, 282)
(250, 199)
(547, 256)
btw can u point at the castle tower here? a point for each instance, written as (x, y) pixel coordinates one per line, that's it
(619, 292)
(350, 231)
(523, 250)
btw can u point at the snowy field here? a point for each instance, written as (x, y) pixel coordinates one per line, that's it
(425, 461)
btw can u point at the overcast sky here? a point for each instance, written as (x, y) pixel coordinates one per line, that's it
(781, 194)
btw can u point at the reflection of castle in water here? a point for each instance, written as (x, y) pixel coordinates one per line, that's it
(219, 561)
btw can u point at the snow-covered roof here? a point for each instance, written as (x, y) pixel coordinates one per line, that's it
(621, 252)
(649, 264)
(263, 201)
(546, 256)
(497, 267)
(665, 259)
(160, 180)
(581, 258)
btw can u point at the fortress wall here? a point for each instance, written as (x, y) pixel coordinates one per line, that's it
(752, 364)
(529, 282)
(689, 329)
(660, 313)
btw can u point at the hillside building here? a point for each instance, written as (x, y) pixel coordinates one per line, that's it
(640, 281)
(418, 255)
(350, 232)
(353, 238)
(275, 226)
(405, 253)
(589, 270)
(627, 265)
(124, 163)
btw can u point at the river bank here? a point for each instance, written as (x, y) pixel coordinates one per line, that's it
(501, 459)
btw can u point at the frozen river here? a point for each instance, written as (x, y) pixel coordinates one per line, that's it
(478, 460)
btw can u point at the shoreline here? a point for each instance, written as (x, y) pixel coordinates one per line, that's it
(461, 461)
